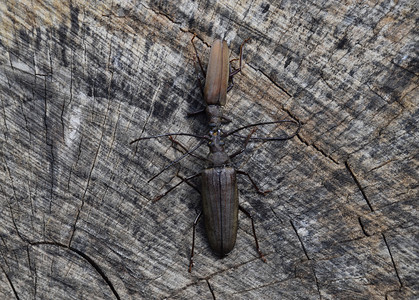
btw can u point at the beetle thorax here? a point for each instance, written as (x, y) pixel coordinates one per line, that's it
(217, 156)
(214, 114)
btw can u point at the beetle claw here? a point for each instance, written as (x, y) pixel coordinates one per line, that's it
(190, 266)
(262, 257)
(264, 193)
(157, 198)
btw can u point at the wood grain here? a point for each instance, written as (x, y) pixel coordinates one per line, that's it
(79, 80)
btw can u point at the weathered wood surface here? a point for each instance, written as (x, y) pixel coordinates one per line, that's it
(79, 80)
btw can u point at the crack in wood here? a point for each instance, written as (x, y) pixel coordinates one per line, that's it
(113, 138)
(325, 81)
(195, 282)
(392, 261)
(231, 268)
(128, 16)
(166, 15)
(275, 214)
(273, 81)
(299, 238)
(92, 166)
(383, 128)
(265, 285)
(10, 282)
(324, 153)
(317, 149)
(358, 184)
(14, 197)
(49, 143)
(317, 282)
(362, 227)
(150, 112)
(87, 258)
(210, 288)
(383, 164)
(32, 269)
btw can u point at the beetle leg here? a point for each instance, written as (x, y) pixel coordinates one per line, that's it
(254, 232)
(235, 71)
(194, 113)
(197, 56)
(245, 144)
(175, 186)
(193, 240)
(239, 59)
(185, 150)
(225, 120)
(190, 184)
(242, 172)
(230, 77)
(189, 152)
(199, 80)
(253, 183)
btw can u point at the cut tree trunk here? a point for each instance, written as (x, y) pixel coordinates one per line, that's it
(80, 80)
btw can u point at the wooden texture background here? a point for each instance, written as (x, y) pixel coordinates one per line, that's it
(81, 79)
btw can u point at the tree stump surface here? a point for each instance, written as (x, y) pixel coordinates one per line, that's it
(80, 80)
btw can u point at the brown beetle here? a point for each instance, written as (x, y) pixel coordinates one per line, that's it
(220, 197)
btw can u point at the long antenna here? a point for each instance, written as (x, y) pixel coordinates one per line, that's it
(233, 132)
(177, 160)
(169, 134)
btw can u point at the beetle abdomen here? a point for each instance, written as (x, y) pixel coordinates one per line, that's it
(220, 203)
(216, 81)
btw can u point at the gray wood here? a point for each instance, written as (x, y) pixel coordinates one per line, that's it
(81, 79)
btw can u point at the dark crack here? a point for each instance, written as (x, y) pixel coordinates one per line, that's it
(324, 153)
(9, 203)
(299, 238)
(362, 227)
(150, 112)
(87, 258)
(273, 81)
(210, 288)
(49, 143)
(84, 195)
(392, 261)
(317, 283)
(358, 185)
(157, 12)
(325, 81)
(32, 270)
(94, 159)
(273, 283)
(11, 283)
(317, 149)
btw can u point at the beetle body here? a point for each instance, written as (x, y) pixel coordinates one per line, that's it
(220, 197)
(220, 205)
(216, 80)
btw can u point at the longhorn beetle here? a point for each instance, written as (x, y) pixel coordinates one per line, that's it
(220, 198)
